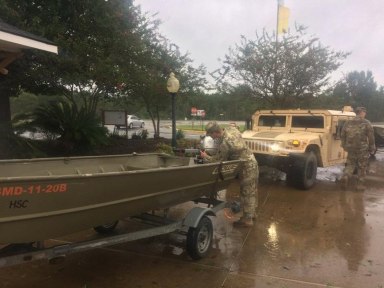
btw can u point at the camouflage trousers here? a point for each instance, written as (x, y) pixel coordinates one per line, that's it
(249, 178)
(357, 161)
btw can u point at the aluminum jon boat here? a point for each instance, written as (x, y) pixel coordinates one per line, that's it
(50, 197)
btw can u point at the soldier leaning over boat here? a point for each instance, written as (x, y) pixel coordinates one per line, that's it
(357, 138)
(233, 147)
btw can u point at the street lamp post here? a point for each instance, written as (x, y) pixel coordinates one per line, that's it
(173, 86)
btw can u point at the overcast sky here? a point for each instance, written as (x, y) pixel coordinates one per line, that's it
(207, 28)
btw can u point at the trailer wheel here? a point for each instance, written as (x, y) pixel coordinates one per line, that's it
(106, 228)
(199, 239)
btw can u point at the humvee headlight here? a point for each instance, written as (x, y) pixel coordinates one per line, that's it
(275, 147)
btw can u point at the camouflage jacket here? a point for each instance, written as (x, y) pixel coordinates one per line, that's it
(232, 147)
(357, 135)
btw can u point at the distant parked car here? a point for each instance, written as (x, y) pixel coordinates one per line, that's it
(134, 121)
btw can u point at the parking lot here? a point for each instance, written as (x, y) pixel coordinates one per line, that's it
(166, 128)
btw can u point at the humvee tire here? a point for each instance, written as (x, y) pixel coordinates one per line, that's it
(303, 171)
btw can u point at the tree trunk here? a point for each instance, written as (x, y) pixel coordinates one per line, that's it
(5, 110)
(5, 127)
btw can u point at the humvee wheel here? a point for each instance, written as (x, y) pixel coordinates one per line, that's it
(199, 239)
(106, 228)
(303, 171)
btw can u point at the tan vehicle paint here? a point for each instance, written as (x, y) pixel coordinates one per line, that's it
(294, 140)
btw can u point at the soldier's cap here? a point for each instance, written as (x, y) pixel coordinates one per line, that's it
(212, 127)
(360, 109)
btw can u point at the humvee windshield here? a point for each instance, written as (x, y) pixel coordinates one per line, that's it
(272, 121)
(307, 122)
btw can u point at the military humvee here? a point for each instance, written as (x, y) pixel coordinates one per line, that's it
(298, 141)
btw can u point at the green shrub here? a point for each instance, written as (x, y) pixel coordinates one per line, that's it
(15, 146)
(142, 134)
(188, 143)
(180, 134)
(164, 148)
(75, 129)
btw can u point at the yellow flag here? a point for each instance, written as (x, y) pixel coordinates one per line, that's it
(282, 19)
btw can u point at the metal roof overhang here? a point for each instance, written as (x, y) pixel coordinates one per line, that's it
(15, 43)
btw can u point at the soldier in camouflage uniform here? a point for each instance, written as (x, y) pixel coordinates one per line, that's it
(233, 147)
(357, 138)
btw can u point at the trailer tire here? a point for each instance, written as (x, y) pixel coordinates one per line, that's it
(303, 171)
(199, 239)
(106, 228)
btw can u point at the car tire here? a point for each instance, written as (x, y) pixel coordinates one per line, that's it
(130, 126)
(142, 125)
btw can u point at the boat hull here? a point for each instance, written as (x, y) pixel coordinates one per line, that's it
(82, 192)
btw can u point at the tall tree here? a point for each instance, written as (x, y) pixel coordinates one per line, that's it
(146, 81)
(107, 49)
(284, 73)
(359, 88)
(89, 35)
(356, 88)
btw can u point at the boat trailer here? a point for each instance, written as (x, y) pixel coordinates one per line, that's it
(198, 242)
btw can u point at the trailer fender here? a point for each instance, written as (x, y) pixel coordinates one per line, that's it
(194, 216)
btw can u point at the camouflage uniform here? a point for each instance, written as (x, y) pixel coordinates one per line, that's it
(233, 147)
(357, 138)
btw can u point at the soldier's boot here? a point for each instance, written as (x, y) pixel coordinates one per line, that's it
(344, 182)
(244, 222)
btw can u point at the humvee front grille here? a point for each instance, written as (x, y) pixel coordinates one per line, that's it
(259, 145)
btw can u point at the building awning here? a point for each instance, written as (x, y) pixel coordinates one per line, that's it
(15, 43)
(14, 40)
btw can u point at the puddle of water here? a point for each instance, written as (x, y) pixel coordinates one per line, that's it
(272, 244)
(332, 173)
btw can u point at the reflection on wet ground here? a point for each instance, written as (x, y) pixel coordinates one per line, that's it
(324, 237)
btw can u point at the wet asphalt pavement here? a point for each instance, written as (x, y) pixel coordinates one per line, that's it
(324, 237)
